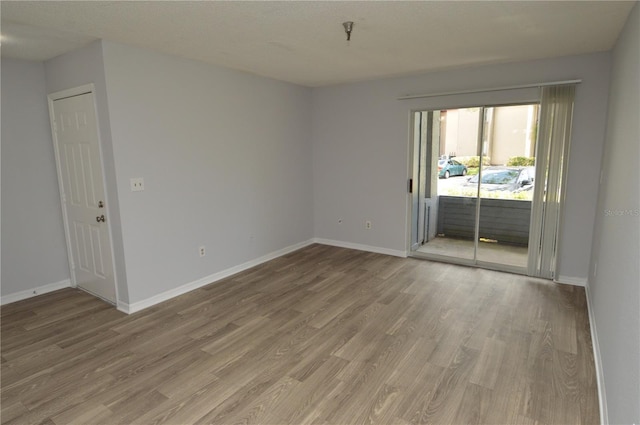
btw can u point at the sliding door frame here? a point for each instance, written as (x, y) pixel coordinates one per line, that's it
(479, 146)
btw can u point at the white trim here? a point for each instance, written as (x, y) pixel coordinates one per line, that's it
(74, 91)
(123, 307)
(360, 247)
(597, 359)
(520, 86)
(33, 292)
(187, 287)
(569, 280)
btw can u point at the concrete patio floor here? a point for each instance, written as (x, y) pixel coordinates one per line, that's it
(490, 252)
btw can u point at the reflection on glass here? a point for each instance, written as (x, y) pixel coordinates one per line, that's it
(506, 184)
(484, 155)
(450, 213)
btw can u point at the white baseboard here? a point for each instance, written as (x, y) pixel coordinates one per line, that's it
(28, 293)
(167, 295)
(568, 280)
(360, 247)
(602, 398)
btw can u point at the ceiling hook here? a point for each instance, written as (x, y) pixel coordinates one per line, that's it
(348, 27)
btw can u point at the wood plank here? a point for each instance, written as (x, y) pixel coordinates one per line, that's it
(489, 364)
(322, 335)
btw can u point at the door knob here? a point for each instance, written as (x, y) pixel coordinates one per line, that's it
(100, 218)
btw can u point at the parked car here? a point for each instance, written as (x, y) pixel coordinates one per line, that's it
(450, 167)
(512, 179)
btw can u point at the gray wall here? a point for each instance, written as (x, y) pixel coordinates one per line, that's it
(226, 160)
(77, 68)
(361, 139)
(33, 246)
(614, 288)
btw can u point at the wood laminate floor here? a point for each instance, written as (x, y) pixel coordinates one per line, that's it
(321, 336)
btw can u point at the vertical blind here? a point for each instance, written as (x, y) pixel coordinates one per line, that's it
(554, 134)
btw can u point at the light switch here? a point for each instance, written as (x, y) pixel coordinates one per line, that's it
(137, 184)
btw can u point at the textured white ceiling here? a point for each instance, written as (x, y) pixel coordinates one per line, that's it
(303, 42)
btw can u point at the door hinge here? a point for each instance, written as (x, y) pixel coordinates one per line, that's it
(410, 186)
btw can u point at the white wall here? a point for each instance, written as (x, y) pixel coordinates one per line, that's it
(361, 139)
(74, 69)
(226, 161)
(33, 246)
(614, 288)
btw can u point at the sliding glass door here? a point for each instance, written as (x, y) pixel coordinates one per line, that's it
(506, 184)
(474, 190)
(489, 183)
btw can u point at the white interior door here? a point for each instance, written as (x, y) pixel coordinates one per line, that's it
(82, 188)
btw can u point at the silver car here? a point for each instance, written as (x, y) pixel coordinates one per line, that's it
(511, 179)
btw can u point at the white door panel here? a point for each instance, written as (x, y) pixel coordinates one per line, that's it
(76, 141)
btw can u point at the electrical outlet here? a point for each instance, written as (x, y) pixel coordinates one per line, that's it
(137, 184)
(202, 251)
(367, 225)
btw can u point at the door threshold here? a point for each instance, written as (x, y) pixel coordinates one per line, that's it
(469, 263)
